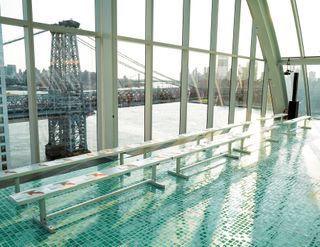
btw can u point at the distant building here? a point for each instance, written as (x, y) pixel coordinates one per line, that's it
(223, 67)
(10, 70)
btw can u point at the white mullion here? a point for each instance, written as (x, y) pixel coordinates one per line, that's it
(148, 70)
(251, 72)
(184, 67)
(31, 82)
(234, 64)
(212, 63)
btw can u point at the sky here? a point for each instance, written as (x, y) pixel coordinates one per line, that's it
(167, 28)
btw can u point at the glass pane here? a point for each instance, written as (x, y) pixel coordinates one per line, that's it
(314, 84)
(166, 92)
(12, 8)
(130, 92)
(200, 19)
(301, 91)
(131, 18)
(14, 86)
(257, 87)
(221, 109)
(309, 17)
(168, 21)
(225, 26)
(198, 91)
(245, 30)
(258, 50)
(242, 90)
(66, 94)
(52, 12)
(283, 21)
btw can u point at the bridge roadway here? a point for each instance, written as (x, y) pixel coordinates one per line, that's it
(48, 105)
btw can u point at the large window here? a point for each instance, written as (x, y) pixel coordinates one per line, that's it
(283, 21)
(66, 94)
(245, 30)
(222, 91)
(309, 18)
(314, 84)
(225, 26)
(131, 18)
(16, 94)
(166, 92)
(168, 21)
(200, 19)
(53, 12)
(198, 91)
(130, 92)
(242, 90)
(300, 92)
(11, 8)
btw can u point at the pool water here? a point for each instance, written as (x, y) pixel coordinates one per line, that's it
(268, 198)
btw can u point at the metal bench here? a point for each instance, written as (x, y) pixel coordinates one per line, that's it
(289, 123)
(276, 116)
(44, 167)
(227, 139)
(41, 194)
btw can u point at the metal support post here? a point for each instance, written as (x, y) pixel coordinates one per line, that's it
(17, 185)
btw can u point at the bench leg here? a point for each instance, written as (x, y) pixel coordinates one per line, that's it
(121, 158)
(229, 154)
(178, 173)
(153, 180)
(43, 217)
(241, 149)
(305, 125)
(17, 185)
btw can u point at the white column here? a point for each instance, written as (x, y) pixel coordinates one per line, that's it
(107, 78)
(184, 66)
(148, 71)
(251, 72)
(234, 63)
(213, 61)
(31, 82)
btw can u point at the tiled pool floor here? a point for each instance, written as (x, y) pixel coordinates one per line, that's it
(270, 198)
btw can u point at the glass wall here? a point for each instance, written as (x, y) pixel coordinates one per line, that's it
(75, 88)
(245, 30)
(225, 26)
(283, 21)
(66, 94)
(131, 23)
(131, 84)
(309, 17)
(12, 8)
(301, 91)
(257, 89)
(222, 91)
(14, 94)
(53, 12)
(198, 91)
(168, 29)
(314, 84)
(200, 19)
(166, 92)
(242, 90)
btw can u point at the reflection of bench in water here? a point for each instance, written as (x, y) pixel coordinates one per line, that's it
(41, 194)
(18, 174)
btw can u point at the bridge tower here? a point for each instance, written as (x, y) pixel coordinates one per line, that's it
(67, 128)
